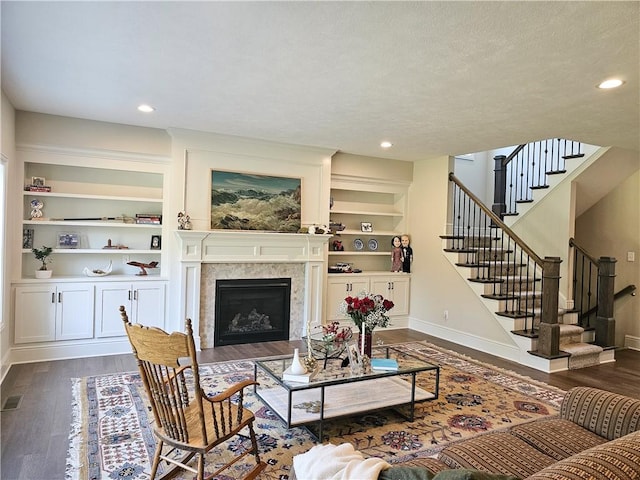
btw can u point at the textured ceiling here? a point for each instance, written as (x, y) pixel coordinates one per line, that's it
(432, 77)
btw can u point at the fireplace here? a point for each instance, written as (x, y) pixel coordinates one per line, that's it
(251, 310)
(207, 257)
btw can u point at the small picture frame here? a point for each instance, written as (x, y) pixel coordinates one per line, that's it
(156, 242)
(38, 181)
(366, 227)
(68, 240)
(355, 359)
(27, 238)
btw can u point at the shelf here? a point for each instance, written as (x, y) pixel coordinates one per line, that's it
(106, 251)
(370, 273)
(91, 223)
(83, 278)
(82, 196)
(386, 233)
(367, 213)
(366, 252)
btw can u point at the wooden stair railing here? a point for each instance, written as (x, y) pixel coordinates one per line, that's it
(591, 274)
(510, 270)
(526, 169)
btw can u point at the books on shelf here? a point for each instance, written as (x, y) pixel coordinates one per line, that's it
(388, 364)
(287, 376)
(37, 188)
(149, 218)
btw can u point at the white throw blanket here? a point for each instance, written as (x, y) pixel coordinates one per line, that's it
(337, 462)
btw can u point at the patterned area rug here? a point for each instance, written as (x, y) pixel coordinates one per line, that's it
(111, 436)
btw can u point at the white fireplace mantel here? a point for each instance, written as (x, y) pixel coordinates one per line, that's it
(220, 246)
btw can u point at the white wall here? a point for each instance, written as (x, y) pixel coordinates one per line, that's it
(7, 149)
(435, 285)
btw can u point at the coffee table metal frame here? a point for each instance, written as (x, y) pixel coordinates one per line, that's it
(333, 376)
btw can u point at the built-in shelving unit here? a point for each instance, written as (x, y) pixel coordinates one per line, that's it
(355, 202)
(382, 206)
(89, 220)
(98, 206)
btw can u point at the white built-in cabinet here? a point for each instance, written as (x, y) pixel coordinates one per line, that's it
(94, 198)
(383, 206)
(144, 302)
(393, 286)
(50, 312)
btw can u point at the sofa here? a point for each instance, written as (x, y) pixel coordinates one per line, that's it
(596, 435)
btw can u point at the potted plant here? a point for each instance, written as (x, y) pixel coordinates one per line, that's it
(42, 255)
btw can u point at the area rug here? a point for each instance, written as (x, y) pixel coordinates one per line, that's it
(111, 434)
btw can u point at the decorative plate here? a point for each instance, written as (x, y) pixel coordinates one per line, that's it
(358, 244)
(373, 244)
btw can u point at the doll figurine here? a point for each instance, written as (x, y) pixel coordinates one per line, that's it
(407, 254)
(396, 254)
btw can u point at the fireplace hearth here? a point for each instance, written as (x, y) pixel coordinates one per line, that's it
(251, 310)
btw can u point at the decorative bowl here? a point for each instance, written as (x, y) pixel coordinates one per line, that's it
(324, 346)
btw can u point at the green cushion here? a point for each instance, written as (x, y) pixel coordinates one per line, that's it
(405, 473)
(467, 474)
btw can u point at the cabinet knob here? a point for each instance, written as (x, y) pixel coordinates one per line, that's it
(129, 295)
(59, 297)
(53, 297)
(135, 294)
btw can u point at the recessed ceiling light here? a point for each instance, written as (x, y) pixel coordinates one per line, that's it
(613, 83)
(386, 144)
(146, 108)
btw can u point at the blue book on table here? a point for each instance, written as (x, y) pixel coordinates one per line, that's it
(384, 364)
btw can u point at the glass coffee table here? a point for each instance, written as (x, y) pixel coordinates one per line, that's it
(335, 391)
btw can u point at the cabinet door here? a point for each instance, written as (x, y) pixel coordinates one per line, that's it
(400, 288)
(395, 288)
(74, 311)
(35, 313)
(338, 289)
(109, 297)
(148, 306)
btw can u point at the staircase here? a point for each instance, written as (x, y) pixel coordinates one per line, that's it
(520, 288)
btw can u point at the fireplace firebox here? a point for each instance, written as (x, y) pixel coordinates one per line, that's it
(251, 310)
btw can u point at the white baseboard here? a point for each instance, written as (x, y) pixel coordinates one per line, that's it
(510, 352)
(632, 342)
(515, 353)
(68, 350)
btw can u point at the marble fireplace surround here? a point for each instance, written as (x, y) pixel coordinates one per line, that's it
(207, 256)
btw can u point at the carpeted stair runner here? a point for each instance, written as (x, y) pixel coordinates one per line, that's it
(582, 354)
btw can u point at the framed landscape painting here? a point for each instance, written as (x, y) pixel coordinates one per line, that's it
(244, 201)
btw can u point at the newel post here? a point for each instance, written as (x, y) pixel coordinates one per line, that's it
(499, 206)
(605, 323)
(549, 330)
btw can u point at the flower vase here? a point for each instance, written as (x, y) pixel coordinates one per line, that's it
(366, 343)
(297, 368)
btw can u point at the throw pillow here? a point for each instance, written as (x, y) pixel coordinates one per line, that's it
(467, 474)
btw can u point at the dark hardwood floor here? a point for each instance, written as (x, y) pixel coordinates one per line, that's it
(34, 437)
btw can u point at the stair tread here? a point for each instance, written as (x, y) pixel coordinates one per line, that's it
(576, 349)
(570, 329)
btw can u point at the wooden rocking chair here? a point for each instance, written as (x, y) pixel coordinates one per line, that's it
(185, 418)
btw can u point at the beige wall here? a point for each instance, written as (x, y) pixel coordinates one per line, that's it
(37, 128)
(435, 284)
(612, 228)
